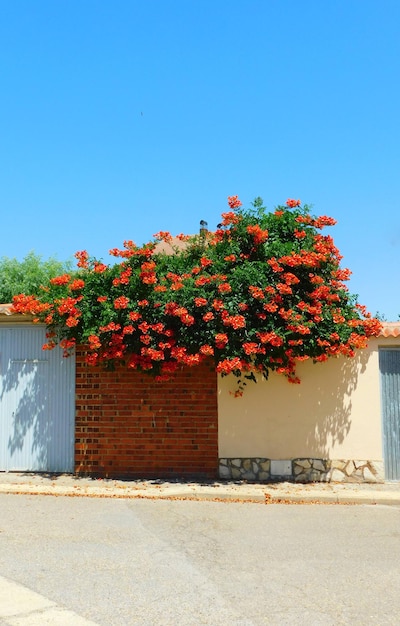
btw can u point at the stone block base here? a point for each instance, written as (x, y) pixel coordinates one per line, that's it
(306, 470)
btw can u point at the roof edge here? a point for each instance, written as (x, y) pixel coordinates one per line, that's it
(390, 329)
(6, 311)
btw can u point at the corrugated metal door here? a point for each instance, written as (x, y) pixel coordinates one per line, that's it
(389, 365)
(37, 403)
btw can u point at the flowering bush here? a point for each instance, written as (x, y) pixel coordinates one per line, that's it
(261, 293)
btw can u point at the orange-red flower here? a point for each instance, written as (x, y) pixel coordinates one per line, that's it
(170, 308)
(28, 304)
(147, 275)
(178, 353)
(67, 345)
(224, 288)
(299, 328)
(229, 365)
(234, 202)
(295, 342)
(159, 327)
(94, 342)
(177, 286)
(67, 305)
(163, 235)
(154, 355)
(270, 337)
(76, 284)
(71, 321)
(144, 327)
(124, 277)
(82, 257)
(324, 220)
(200, 301)
(191, 359)
(61, 280)
(250, 348)
(342, 274)
(221, 339)
(207, 350)
(218, 305)
(92, 359)
(50, 345)
(121, 302)
(274, 265)
(256, 292)
(259, 235)
(284, 289)
(187, 319)
(270, 307)
(229, 218)
(234, 321)
(148, 278)
(292, 203)
(110, 327)
(202, 280)
(290, 279)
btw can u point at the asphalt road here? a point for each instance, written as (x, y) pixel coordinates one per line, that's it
(156, 562)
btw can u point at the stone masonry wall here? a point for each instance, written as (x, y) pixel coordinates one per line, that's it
(302, 470)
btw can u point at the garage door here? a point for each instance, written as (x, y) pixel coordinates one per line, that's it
(37, 403)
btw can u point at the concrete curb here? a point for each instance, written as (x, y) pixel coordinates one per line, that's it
(282, 493)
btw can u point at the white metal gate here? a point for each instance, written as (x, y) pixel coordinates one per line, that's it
(37, 403)
(389, 365)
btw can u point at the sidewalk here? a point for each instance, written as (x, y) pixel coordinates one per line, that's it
(276, 493)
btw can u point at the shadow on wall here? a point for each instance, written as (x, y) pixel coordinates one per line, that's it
(24, 425)
(277, 420)
(331, 403)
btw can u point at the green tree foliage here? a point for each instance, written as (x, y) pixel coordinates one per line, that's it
(28, 275)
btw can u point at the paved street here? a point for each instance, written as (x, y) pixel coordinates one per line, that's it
(121, 562)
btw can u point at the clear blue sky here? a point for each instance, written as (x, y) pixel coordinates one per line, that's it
(121, 118)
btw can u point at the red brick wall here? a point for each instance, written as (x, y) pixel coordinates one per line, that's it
(127, 425)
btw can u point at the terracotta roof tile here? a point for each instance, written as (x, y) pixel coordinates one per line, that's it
(5, 309)
(390, 329)
(170, 248)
